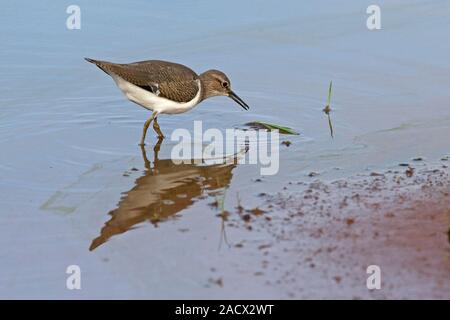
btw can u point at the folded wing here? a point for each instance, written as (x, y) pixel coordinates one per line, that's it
(165, 79)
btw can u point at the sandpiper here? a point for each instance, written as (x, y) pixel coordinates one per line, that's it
(166, 87)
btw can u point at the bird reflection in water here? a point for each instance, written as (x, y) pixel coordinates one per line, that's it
(164, 190)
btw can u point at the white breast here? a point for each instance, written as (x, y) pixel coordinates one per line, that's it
(152, 101)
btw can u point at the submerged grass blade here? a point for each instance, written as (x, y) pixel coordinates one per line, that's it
(331, 126)
(327, 109)
(271, 126)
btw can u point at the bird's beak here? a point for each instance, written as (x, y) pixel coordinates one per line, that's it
(236, 98)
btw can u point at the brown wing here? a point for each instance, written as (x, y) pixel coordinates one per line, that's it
(166, 79)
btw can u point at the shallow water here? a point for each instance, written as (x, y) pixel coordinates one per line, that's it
(68, 137)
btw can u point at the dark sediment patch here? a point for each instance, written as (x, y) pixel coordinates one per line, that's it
(326, 234)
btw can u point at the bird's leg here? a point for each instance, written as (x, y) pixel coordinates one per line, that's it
(146, 125)
(157, 128)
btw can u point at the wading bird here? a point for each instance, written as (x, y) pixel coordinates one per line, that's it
(166, 87)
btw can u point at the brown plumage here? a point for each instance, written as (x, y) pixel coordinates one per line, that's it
(174, 81)
(166, 87)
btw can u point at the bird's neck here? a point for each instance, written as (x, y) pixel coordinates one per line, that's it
(206, 87)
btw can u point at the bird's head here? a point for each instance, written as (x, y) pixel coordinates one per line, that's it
(216, 83)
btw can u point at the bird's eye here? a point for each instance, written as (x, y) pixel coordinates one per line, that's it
(225, 84)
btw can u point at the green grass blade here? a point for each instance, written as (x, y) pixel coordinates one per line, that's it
(329, 92)
(271, 126)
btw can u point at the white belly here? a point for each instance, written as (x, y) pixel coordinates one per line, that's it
(153, 102)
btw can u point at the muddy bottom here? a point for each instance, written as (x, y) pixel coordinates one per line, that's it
(325, 235)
